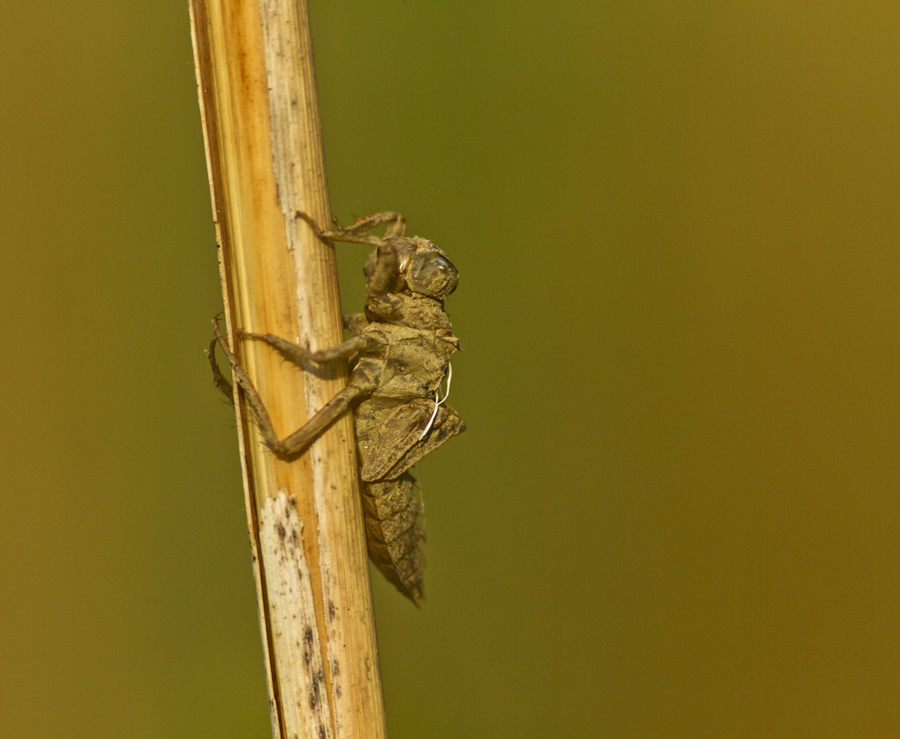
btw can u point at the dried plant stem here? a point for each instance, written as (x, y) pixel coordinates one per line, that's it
(264, 150)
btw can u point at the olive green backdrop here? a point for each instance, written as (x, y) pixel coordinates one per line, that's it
(675, 512)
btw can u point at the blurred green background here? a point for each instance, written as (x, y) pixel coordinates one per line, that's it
(675, 512)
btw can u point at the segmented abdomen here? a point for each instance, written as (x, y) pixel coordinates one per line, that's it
(394, 532)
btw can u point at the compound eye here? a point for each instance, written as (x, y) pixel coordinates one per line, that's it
(433, 275)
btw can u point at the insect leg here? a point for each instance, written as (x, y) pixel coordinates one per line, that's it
(297, 353)
(254, 402)
(296, 442)
(219, 380)
(354, 234)
(386, 265)
(396, 228)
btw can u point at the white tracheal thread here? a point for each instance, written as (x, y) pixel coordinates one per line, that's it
(438, 400)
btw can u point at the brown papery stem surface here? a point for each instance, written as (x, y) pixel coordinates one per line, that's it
(264, 151)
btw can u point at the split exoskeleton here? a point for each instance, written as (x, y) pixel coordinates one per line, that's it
(400, 351)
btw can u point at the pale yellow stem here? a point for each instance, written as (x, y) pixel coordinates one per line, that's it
(264, 150)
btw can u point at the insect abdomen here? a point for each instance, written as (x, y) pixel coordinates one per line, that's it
(394, 532)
